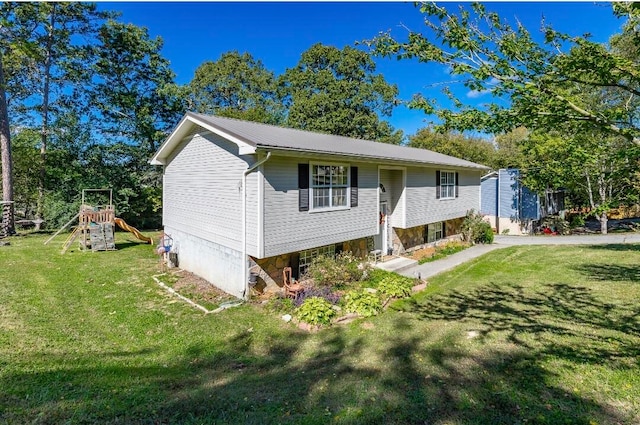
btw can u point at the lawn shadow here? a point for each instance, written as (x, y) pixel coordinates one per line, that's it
(610, 272)
(247, 381)
(544, 320)
(620, 247)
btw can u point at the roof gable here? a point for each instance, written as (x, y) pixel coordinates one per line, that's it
(251, 136)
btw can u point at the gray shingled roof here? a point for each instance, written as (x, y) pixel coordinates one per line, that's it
(266, 136)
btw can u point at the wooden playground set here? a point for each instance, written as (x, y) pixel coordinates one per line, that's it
(96, 225)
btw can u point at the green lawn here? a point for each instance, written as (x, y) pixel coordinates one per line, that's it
(535, 335)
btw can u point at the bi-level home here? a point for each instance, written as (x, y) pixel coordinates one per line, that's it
(242, 198)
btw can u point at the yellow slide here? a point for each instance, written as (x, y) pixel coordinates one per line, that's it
(124, 226)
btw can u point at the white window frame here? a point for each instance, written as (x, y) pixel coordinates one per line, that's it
(308, 255)
(314, 188)
(447, 188)
(435, 231)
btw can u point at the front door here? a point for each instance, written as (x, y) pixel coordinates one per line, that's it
(381, 240)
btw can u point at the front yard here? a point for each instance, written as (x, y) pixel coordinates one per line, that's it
(523, 335)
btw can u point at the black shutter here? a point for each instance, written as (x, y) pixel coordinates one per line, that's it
(438, 184)
(457, 185)
(354, 186)
(294, 263)
(444, 229)
(303, 187)
(339, 249)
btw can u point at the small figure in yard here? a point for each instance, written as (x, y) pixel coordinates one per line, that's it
(164, 247)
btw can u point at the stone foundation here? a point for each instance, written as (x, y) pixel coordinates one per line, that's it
(405, 240)
(269, 270)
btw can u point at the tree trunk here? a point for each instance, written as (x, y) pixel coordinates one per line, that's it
(8, 218)
(603, 223)
(45, 120)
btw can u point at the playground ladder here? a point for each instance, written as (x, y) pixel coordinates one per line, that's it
(72, 237)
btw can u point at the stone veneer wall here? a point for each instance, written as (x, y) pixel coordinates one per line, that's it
(413, 238)
(269, 270)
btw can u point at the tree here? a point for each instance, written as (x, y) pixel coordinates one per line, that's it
(136, 104)
(508, 150)
(473, 149)
(8, 221)
(236, 86)
(58, 35)
(336, 91)
(535, 85)
(594, 166)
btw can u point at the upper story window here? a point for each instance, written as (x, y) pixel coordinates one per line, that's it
(329, 185)
(447, 184)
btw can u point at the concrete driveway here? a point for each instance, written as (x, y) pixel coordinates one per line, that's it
(427, 270)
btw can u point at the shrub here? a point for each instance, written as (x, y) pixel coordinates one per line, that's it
(577, 221)
(280, 305)
(363, 303)
(324, 292)
(475, 229)
(315, 311)
(339, 271)
(556, 224)
(395, 286)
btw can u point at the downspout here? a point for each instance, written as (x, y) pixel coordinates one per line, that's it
(245, 278)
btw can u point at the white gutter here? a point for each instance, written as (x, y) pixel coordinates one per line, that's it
(245, 278)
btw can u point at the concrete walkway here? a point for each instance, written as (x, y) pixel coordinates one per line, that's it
(427, 270)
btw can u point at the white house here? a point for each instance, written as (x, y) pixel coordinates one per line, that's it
(240, 196)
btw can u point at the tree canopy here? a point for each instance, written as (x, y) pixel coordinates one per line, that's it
(336, 91)
(236, 86)
(534, 84)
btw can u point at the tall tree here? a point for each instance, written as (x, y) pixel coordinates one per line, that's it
(8, 221)
(136, 104)
(337, 91)
(236, 86)
(59, 34)
(535, 85)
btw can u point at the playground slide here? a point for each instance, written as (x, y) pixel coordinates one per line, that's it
(124, 226)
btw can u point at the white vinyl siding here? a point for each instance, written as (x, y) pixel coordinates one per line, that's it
(329, 186)
(422, 207)
(202, 194)
(447, 185)
(286, 229)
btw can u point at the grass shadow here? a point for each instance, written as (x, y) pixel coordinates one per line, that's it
(242, 381)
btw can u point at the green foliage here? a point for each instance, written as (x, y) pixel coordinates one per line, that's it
(576, 220)
(280, 304)
(473, 149)
(557, 224)
(336, 91)
(475, 229)
(362, 302)
(395, 286)
(445, 250)
(531, 84)
(236, 86)
(315, 311)
(340, 270)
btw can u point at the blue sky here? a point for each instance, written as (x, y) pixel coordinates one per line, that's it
(278, 33)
